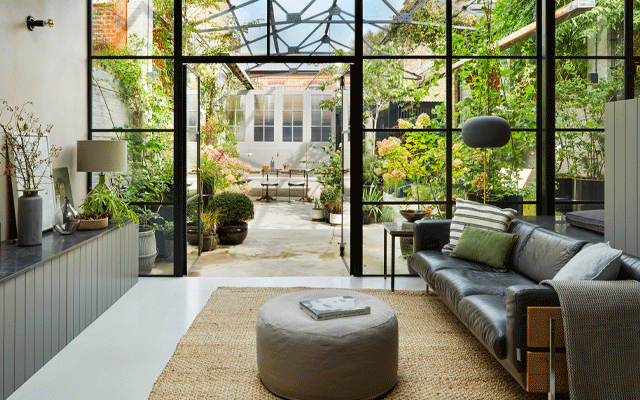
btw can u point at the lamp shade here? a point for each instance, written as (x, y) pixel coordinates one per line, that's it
(102, 155)
(482, 132)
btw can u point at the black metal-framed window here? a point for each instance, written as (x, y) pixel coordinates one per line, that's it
(544, 56)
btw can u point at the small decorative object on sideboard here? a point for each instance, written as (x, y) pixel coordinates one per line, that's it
(334, 307)
(67, 219)
(28, 160)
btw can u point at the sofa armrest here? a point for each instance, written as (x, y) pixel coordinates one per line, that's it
(430, 234)
(519, 297)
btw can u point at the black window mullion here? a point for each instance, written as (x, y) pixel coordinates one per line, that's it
(449, 110)
(629, 64)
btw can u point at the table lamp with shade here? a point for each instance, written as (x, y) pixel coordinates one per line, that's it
(484, 132)
(102, 156)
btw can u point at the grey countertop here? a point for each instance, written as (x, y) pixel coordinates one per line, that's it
(16, 260)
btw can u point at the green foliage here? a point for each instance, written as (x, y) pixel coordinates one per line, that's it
(105, 202)
(329, 169)
(372, 194)
(167, 230)
(331, 199)
(388, 214)
(233, 207)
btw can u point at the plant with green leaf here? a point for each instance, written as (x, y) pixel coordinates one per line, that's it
(107, 203)
(232, 207)
(331, 199)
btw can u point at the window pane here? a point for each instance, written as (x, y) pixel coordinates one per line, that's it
(316, 118)
(506, 88)
(268, 134)
(326, 133)
(122, 28)
(286, 134)
(135, 94)
(297, 118)
(258, 134)
(316, 134)
(286, 118)
(269, 118)
(297, 134)
(259, 117)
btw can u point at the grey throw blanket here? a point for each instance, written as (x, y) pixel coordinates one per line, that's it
(602, 337)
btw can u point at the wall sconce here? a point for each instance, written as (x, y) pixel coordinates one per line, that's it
(32, 23)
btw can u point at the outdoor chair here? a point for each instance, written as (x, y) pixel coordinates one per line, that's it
(297, 181)
(266, 183)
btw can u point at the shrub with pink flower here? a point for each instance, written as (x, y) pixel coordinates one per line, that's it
(225, 169)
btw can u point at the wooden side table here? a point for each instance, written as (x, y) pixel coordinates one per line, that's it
(393, 229)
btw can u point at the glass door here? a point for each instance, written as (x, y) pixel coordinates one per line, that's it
(194, 184)
(344, 139)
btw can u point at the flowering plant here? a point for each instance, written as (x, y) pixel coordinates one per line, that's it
(22, 138)
(216, 162)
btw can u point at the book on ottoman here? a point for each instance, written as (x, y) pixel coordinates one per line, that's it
(334, 307)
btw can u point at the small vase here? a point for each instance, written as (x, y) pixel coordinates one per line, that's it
(29, 218)
(67, 219)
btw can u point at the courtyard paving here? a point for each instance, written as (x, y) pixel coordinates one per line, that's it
(284, 241)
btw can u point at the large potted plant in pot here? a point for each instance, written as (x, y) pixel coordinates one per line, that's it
(235, 210)
(102, 206)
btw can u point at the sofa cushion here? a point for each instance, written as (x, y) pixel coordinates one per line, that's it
(486, 318)
(427, 262)
(598, 262)
(523, 230)
(545, 253)
(480, 216)
(485, 246)
(453, 285)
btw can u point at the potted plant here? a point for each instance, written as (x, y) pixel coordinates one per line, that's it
(101, 206)
(331, 197)
(285, 166)
(371, 212)
(28, 160)
(209, 235)
(235, 209)
(317, 212)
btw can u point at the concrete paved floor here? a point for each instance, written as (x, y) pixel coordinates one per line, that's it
(283, 241)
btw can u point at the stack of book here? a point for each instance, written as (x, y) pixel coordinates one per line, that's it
(334, 307)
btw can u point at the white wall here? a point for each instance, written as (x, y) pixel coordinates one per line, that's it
(47, 66)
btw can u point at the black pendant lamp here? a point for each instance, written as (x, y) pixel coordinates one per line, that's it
(484, 132)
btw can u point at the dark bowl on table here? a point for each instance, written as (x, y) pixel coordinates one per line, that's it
(413, 215)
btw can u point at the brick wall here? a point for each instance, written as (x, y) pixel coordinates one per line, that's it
(110, 23)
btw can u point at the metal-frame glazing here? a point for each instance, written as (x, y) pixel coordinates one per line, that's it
(545, 59)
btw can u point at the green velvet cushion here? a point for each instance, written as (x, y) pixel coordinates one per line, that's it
(485, 246)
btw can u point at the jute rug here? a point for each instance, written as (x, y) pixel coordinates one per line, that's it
(439, 357)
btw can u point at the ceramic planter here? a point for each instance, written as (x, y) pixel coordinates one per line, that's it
(233, 233)
(316, 214)
(29, 219)
(147, 251)
(335, 219)
(209, 242)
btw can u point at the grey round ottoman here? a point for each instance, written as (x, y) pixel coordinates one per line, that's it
(344, 358)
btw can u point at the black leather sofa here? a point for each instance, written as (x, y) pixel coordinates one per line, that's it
(492, 304)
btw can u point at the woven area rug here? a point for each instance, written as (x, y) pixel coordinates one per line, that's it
(439, 357)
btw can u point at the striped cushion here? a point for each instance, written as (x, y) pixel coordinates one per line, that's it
(479, 215)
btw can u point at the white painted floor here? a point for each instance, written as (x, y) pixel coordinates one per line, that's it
(123, 352)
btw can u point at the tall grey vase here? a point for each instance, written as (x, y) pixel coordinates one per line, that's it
(29, 219)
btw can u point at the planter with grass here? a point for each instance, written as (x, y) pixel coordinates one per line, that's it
(317, 212)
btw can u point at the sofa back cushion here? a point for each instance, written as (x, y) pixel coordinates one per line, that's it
(629, 267)
(545, 253)
(523, 230)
